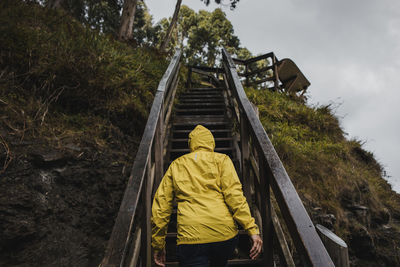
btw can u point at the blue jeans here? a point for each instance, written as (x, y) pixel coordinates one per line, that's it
(206, 255)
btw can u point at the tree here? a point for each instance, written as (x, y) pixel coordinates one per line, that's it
(171, 26)
(173, 22)
(127, 20)
(144, 33)
(201, 35)
(206, 34)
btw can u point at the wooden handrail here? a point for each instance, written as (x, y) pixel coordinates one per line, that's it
(248, 73)
(133, 220)
(272, 175)
(206, 71)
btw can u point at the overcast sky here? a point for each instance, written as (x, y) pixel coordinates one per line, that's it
(348, 49)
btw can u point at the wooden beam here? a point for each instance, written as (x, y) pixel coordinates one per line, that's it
(257, 71)
(336, 247)
(207, 69)
(285, 256)
(268, 236)
(245, 153)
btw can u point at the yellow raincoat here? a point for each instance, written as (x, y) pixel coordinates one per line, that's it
(208, 193)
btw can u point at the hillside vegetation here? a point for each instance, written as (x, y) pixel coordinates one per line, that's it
(339, 182)
(73, 105)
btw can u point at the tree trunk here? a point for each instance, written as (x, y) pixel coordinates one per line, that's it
(54, 3)
(127, 19)
(171, 26)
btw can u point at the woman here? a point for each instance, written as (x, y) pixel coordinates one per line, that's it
(210, 199)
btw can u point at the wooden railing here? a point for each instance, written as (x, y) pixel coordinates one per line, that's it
(263, 171)
(209, 72)
(130, 240)
(249, 71)
(284, 74)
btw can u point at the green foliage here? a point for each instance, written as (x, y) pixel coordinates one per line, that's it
(144, 33)
(47, 58)
(328, 171)
(202, 35)
(104, 16)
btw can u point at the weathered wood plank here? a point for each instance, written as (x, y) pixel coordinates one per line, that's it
(206, 73)
(245, 153)
(207, 69)
(336, 247)
(286, 259)
(266, 215)
(146, 225)
(136, 247)
(254, 59)
(260, 70)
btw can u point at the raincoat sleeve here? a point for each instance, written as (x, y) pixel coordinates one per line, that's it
(234, 198)
(161, 211)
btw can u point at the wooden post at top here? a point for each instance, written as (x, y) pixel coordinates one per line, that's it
(276, 75)
(146, 219)
(266, 213)
(247, 77)
(245, 157)
(158, 153)
(335, 246)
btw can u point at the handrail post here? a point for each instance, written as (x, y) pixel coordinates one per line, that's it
(159, 152)
(245, 157)
(266, 213)
(146, 236)
(276, 75)
(335, 246)
(246, 70)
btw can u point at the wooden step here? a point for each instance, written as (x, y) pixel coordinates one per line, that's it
(201, 96)
(219, 100)
(208, 121)
(201, 93)
(200, 111)
(201, 105)
(206, 88)
(217, 133)
(188, 124)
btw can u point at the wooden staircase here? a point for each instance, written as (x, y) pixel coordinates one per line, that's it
(205, 106)
(230, 116)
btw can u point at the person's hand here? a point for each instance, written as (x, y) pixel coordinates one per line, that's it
(257, 246)
(159, 257)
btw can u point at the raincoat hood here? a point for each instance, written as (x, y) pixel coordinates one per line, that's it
(201, 137)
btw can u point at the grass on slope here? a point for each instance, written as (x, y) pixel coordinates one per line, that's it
(68, 89)
(56, 71)
(329, 171)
